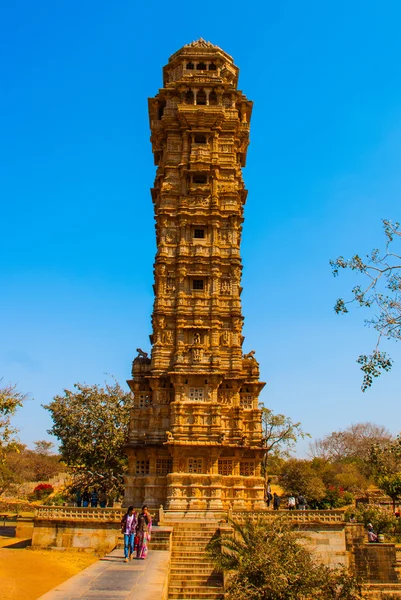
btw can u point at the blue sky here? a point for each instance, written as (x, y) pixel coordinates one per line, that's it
(77, 238)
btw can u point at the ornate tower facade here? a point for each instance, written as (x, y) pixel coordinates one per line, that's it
(195, 439)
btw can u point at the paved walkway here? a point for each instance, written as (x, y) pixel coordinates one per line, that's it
(112, 579)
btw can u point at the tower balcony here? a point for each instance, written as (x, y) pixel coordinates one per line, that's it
(194, 115)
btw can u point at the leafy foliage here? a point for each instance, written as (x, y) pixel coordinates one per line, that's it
(391, 485)
(273, 562)
(10, 400)
(92, 424)
(43, 490)
(317, 484)
(381, 293)
(280, 435)
(386, 460)
(379, 516)
(23, 465)
(298, 477)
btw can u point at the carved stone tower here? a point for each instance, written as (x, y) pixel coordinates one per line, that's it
(195, 439)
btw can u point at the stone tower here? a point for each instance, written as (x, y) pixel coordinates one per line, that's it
(195, 439)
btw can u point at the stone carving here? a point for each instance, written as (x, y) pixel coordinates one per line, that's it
(141, 353)
(168, 337)
(171, 237)
(225, 287)
(250, 354)
(164, 397)
(196, 354)
(197, 338)
(225, 338)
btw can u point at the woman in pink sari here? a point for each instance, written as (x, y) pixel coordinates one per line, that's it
(143, 532)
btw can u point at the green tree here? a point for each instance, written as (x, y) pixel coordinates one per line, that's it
(28, 465)
(273, 562)
(391, 485)
(380, 293)
(92, 425)
(379, 516)
(10, 400)
(280, 435)
(298, 477)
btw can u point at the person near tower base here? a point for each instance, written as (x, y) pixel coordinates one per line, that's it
(276, 501)
(128, 528)
(301, 502)
(291, 503)
(143, 531)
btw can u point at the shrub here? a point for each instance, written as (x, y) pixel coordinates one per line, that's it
(42, 491)
(381, 517)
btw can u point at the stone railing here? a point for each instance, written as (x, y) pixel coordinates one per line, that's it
(326, 517)
(77, 513)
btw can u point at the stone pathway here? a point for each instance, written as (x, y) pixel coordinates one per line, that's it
(112, 579)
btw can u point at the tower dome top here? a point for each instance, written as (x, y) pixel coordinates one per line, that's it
(200, 46)
(201, 43)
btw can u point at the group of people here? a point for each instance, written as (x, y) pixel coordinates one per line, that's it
(92, 498)
(298, 502)
(137, 530)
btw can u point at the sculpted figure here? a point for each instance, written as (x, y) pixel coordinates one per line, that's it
(141, 353)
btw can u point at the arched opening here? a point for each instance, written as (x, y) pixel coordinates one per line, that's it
(190, 66)
(201, 98)
(212, 67)
(189, 97)
(213, 99)
(201, 66)
(200, 139)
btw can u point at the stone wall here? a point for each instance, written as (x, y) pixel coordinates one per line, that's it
(89, 536)
(374, 563)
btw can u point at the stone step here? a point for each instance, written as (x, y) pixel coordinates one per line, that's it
(175, 589)
(213, 594)
(180, 567)
(196, 564)
(196, 581)
(191, 546)
(190, 552)
(185, 596)
(201, 537)
(196, 538)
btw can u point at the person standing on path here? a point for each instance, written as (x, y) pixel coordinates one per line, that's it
(94, 498)
(85, 498)
(128, 528)
(143, 531)
(291, 503)
(301, 502)
(276, 501)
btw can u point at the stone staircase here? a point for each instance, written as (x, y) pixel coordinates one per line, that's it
(161, 539)
(192, 574)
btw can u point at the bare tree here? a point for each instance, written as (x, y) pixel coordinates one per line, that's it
(353, 444)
